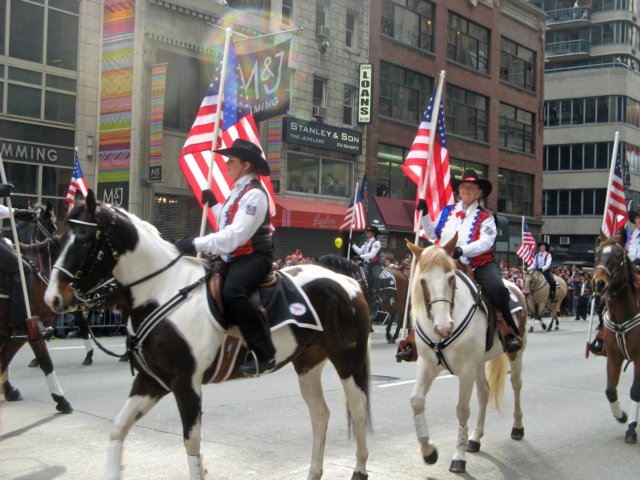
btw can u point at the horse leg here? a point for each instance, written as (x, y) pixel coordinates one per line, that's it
(310, 381)
(189, 403)
(83, 332)
(39, 347)
(144, 395)
(631, 436)
(358, 408)
(459, 462)
(482, 386)
(10, 347)
(424, 379)
(613, 375)
(517, 432)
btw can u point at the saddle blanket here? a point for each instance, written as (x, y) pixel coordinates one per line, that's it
(285, 303)
(386, 280)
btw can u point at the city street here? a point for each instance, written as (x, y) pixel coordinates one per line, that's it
(260, 428)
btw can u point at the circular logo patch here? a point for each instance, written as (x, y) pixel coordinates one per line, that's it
(297, 309)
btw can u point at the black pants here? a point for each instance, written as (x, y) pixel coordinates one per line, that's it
(373, 271)
(489, 277)
(548, 274)
(243, 276)
(10, 269)
(583, 306)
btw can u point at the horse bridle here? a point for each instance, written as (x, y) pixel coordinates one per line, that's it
(622, 266)
(427, 297)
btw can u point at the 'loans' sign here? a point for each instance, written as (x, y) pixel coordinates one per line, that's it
(365, 90)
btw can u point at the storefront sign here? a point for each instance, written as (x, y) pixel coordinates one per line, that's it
(155, 173)
(27, 152)
(116, 194)
(365, 90)
(321, 135)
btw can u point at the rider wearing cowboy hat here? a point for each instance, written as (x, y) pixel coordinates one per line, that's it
(370, 254)
(244, 242)
(476, 230)
(542, 262)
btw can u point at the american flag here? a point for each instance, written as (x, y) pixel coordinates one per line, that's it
(237, 122)
(439, 192)
(78, 182)
(615, 210)
(527, 249)
(355, 213)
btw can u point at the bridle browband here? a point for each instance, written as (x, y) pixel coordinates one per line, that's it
(621, 266)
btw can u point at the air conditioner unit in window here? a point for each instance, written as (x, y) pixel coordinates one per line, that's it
(319, 111)
(322, 31)
(565, 240)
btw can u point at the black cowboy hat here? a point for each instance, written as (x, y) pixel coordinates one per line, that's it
(633, 214)
(372, 228)
(249, 152)
(470, 176)
(542, 242)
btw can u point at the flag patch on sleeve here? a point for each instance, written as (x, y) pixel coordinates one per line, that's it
(251, 209)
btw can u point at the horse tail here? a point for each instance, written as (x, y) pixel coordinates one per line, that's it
(497, 369)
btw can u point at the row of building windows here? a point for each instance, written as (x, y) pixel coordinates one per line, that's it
(596, 5)
(601, 34)
(573, 202)
(580, 111)
(581, 156)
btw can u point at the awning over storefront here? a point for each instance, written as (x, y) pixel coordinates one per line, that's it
(396, 214)
(306, 214)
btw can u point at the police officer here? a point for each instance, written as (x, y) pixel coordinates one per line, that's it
(542, 262)
(9, 263)
(370, 254)
(476, 230)
(244, 242)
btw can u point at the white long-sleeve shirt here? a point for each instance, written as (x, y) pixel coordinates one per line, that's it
(634, 245)
(369, 249)
(250, 214)
(541, 260)
(4, 211)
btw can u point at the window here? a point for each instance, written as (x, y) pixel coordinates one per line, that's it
(26, 31)
(392, 182)
(409, 21)
(466, 113)
(404, 94)
(319, 89)
(321, 14)
(62, 40)
(318, 176)
(24, 101)
(515, 192)
(516, 128)
(581, 111)
(60, 107)
(458, 166)
(3, 21)
(575, 202)
(347, 105)
(517, 65)
(287, 11)
(468, 43)
(350, 33)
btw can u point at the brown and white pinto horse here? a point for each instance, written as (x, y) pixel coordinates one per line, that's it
(451, 333)
(177, 340)
(614, 279)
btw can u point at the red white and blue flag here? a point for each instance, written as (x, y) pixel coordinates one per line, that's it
(78, 182)
(615, 211)
(439, 192)
(355, 213)
(237, 122)
(527, 249)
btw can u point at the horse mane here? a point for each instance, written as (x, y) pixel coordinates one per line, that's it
(436, 256)
(338, 264)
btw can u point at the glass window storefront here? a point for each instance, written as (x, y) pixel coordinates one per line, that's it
(319, 176)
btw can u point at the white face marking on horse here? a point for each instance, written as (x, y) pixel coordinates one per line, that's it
(607, 250)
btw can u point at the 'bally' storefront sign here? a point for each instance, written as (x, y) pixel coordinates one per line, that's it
(321, 135)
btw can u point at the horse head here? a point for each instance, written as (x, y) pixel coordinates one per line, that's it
(46, 223)
(531, 282)
(435, 282)
(613, 270)
(95, 237)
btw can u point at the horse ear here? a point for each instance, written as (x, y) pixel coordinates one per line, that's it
(49, 207)
(451, 245)
(90, 202)
(621, 237)
(603, 237)
(416, 250)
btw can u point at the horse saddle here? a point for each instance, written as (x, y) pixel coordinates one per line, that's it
(279, 299)
(386, 280)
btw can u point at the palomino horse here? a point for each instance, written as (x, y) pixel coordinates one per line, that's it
(536, 290)
(456, 339)
(177, 342)
(614, 279)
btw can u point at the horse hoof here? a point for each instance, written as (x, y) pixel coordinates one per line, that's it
(359, 476)
(631, 436)
(34, 363)
(88, 360)
(544, 327)
(431, 458)
(623, 419)
(517, 433)
(11, 393)
(473, 446)
(62, 404)
(458, 466)
(530, 329)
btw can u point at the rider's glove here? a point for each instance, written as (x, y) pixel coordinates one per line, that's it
(351, 241)
(186, 245)
(422, 206)
(6, 189)
(208, 198)
(457, 253)
(23, 214)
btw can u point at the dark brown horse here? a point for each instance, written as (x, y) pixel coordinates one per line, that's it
(393, 285)
(179, 344)
(614, 279)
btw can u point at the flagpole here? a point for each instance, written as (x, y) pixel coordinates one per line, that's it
(353, 208)
(521, 240)
(423, 192)
(216, 128)
(16, 242)
(614, 155)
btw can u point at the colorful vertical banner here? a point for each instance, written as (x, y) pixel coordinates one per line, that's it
(116, 95)
(156, 117)
(274, 150)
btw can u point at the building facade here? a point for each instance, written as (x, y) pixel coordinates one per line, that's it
(592, 90)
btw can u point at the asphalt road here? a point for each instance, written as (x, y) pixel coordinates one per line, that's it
(260, 428)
